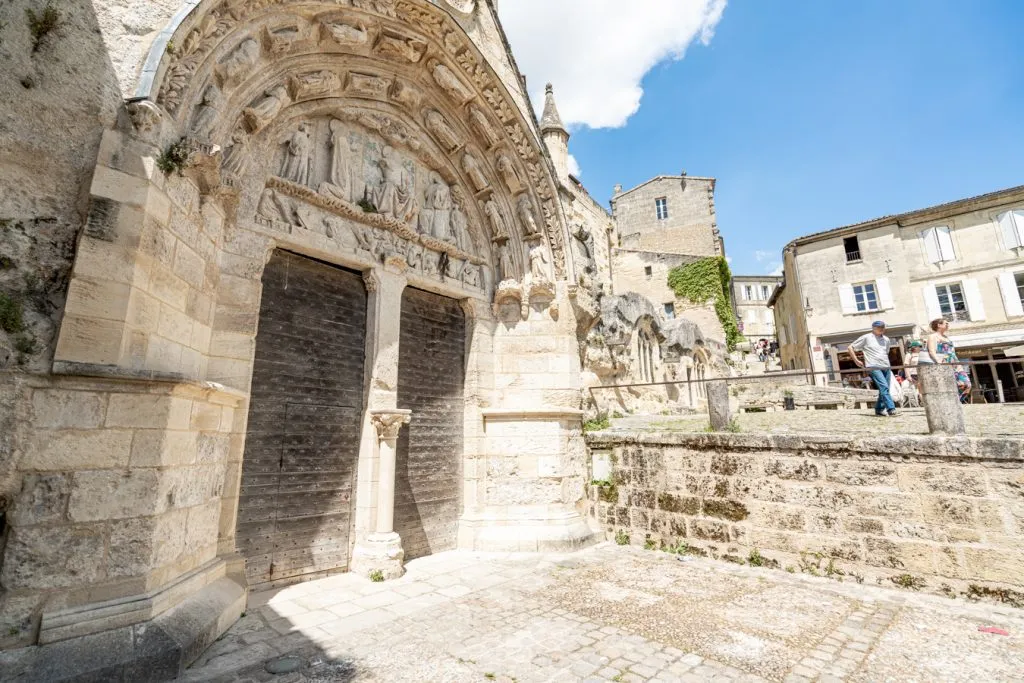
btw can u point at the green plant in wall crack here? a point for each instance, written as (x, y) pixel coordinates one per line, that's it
(708, 280)
(376, 576)
(175, 158)
(12, 313)
(40, 25)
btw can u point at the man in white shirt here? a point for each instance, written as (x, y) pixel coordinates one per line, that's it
(875, 347)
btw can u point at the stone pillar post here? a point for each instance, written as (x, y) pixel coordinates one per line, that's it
(381, 551)
(718, 405)
(387, 424)
(941, 399)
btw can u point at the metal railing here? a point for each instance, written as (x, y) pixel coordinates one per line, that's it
(834, 380)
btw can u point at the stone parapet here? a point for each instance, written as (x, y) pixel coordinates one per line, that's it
(945, 511)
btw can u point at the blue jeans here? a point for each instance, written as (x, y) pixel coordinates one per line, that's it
(884, 403)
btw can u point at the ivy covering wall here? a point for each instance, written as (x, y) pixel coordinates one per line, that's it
(706, 280)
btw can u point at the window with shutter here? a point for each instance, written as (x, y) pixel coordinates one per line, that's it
(847, 302)
(1012, 227)
(885, 300)
(865, 297)
(1011, 286)
(931, 303)
(974, 301)
(938, 244)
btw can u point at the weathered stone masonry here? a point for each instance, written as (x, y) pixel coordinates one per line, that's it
(946, 510)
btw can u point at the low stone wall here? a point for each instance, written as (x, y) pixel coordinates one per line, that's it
(943, 514)
(769, 393)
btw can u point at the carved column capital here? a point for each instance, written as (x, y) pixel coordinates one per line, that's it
(388, 422)
(372, 281)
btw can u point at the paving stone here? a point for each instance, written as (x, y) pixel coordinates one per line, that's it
(596, 620)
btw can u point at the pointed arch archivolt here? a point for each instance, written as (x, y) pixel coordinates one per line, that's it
(433, 138)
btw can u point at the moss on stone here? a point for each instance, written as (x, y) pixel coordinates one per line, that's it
(732, 510)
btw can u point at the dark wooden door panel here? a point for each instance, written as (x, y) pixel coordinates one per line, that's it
(428, 487)
(302, 443)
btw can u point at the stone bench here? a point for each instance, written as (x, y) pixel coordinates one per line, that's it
(820, 405)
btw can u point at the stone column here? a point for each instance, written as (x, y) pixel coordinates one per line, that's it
(377, 547)
(718, 405)
(381, 551)
(941, 399)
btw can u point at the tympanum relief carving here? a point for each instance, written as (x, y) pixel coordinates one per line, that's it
(419, 50)
(398, 210)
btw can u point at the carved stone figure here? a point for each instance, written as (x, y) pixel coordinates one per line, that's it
(368, 85)
(499, 229)
(393, 196)
(435, 217)
(266, 108)
(236, 65)
(451, 83)
(271, 207)
(473, 169)
(401, 47)
(509, 174)
(406, 94)
(506, 271)
(314, 84)
(339, 182)
(471, 276)
(236, 160)
(584, 243)
(540, 261)
(482, 126)
(385, 7)
(298, 156)
(459, 222)
(207, 113)
(280, 41)
(525, 210)
(346, 34)
(440, 129)
(145, 115)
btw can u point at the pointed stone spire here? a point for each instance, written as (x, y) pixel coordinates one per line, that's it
(551, 122)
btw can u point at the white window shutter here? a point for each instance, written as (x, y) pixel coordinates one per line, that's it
(931, 245)
(1011, 298)
(931, 303)
(1011, 239)
(945, 244)
(847, 302)
(1018, 219)
(885, 301)
(972, 296)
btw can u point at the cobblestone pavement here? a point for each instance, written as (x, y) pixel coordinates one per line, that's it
(982, 420)
(609, 613)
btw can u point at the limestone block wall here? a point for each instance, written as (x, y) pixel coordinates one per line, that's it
(691, 226)
(119, 501)
(945, 511)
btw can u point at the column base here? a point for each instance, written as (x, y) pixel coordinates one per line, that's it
(379, 553)
(525, 528)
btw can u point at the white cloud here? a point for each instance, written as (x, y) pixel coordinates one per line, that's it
(574, 166)
(761, 256)
(596, 52)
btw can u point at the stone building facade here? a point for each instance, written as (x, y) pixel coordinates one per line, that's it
(750, 295)
(669, 214)
(301, 298)
(299, 288)
(961, 261)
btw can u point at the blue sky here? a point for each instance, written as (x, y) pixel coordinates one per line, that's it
(818, 114)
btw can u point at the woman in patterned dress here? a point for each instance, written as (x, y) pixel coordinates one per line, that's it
(941, 350)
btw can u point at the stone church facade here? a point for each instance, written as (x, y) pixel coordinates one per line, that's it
(316, 295)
